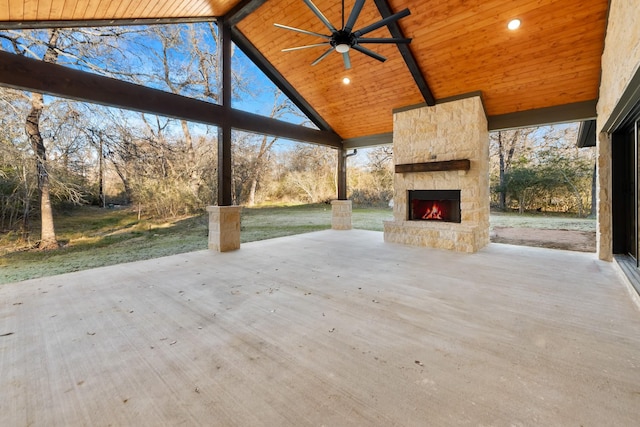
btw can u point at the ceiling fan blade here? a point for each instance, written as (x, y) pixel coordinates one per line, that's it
(379, 40)
(382, 40)
(321, 57)
(369, 53)
(311, 33)
(382, 22)
(320, 16)
(290, 49)
(355, 12)
(347, 60)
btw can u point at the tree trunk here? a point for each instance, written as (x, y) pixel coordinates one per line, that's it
(32, 127)
(252, 192)
(256, 175)
(194, 178)
(47, 234)
(125, 182)
(576, 192)
(27, 203)
(263, 152)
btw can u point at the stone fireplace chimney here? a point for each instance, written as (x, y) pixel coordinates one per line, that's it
(444, 148)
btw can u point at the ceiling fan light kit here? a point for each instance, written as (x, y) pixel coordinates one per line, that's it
(344, 39)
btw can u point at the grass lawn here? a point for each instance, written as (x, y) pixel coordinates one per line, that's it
(547, 221)
(95, 237)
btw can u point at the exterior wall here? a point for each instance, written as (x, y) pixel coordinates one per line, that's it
(620, 61)
(604, 231)
(449, 131)
(621, 56)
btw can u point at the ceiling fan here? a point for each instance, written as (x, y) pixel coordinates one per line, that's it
(344, 39)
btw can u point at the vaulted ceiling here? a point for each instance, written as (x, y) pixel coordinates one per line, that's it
(549, 66)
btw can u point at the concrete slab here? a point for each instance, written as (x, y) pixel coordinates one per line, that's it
(326, 328)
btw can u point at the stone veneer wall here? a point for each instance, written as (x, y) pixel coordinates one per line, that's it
(449, 131)
(620, 61)
(224, 228)
(341, 214)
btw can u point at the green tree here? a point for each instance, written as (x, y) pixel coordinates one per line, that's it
(522, 183)
(508, 146)
(567, 175)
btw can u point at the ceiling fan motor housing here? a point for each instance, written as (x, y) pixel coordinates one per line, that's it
(342, 37)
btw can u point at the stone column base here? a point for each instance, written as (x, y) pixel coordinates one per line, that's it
(341, 214)
(224, 228)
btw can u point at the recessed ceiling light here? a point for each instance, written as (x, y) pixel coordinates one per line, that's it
(346, 80)
(514, 24)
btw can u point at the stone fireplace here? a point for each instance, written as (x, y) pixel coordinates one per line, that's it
(441, 184)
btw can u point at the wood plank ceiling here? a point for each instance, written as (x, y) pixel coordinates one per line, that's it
(86, 10)
(460, 46)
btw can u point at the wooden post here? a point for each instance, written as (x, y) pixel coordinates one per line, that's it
(342, 174)
(224, 130)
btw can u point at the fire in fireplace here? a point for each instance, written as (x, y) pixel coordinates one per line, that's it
(434, 205)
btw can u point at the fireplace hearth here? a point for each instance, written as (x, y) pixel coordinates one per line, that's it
(434, 205)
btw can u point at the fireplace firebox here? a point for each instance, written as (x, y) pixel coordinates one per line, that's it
(434, 205)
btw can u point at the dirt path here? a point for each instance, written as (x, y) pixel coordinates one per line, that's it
(582, 241)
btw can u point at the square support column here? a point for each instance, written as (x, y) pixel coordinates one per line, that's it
(341, 214)
(224, 228)
(604, 218)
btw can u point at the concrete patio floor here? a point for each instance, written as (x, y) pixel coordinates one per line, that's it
(330, 328)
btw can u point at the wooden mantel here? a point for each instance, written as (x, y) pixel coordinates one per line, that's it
(446, 165)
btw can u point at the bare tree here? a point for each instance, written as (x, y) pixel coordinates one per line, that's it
(50, 46)
(17, 176)
(48, 238)
(508, 146)
(311, 172)
(282, 107)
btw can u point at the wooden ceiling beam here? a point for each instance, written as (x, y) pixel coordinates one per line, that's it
(368, 141)
(575, 112)
(407, 55)
(242, 10)
(30, 74)
(36, 25)
(274, 75)
(566, 113)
